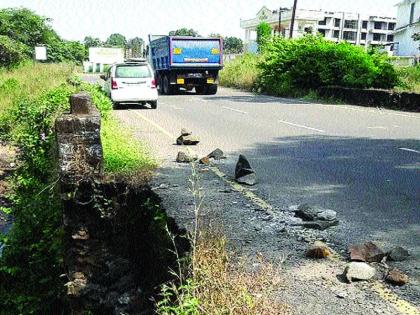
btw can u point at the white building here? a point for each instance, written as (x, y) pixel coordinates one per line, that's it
(408, 18)
(358, 29)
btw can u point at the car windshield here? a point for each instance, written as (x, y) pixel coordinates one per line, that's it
(138, 71)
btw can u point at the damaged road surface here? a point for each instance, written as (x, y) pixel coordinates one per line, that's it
(329, 156)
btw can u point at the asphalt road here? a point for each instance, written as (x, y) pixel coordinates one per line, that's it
(362, 162)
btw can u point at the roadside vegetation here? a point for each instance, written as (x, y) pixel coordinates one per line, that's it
(29, 79)
(409, 79)
(242, 72)
(297, 67)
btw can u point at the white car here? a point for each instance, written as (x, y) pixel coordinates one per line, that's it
(131, 82)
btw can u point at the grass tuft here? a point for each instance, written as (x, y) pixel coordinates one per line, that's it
(124, 158)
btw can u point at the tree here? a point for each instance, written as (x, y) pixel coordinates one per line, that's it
(136, 45)
(11, 52)
(25, 30)
(263, 34)
(233, 45)
(116, 40)
(90, 41)
(26, 27)
(184, 32)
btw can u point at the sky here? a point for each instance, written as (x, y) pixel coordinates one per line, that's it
(75, 19)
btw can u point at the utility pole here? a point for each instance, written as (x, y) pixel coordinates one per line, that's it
(292, 22)
(279, 21)
(280, 11)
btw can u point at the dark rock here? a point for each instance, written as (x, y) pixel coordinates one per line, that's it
(359, 271)
(368, 252)
(396, 277)
(216, 154)
(318, 250)
(309, 213)
(186, 157)
(318, 225)
(244, 174)
(398, 254)
(187, 140)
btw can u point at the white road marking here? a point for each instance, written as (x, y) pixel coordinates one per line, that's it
(382, 111)
(409, 150)
(176, 107)
(300, 126)
(235, 110)
(376, 127)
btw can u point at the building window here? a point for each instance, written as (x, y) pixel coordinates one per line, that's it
(390, 38)
(336, 34)
(363, 36)
(378, 25)
(337, 22)
(391, 26)
(322, 32)
(349, 35)
(323, 22)
(364, 24)
(412, 12)
(350, 24)
(376, 37)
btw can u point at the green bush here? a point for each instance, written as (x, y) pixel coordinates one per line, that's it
(263, 34)
(293, 67)
(11, 52)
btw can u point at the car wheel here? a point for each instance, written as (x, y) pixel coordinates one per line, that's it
(153, 104)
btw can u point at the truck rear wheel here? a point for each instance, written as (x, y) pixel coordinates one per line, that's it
(211, 89)
(201, 89)
(168, 89)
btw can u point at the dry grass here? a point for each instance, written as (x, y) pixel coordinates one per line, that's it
(30, 80)
(224, 286)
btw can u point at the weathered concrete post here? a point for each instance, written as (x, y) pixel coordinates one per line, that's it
(80, 167)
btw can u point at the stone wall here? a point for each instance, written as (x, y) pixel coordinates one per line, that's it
(116, 253)
(373, 98)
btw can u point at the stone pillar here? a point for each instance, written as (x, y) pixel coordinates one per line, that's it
(80, 167)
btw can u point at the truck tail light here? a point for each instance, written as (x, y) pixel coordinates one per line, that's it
(153, 85)
(114, 85)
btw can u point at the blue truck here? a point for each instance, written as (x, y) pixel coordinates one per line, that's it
(186, 62)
